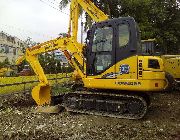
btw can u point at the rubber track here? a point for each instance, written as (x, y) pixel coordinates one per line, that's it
(77, 96)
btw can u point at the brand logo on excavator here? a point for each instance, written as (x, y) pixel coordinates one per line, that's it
(129, 83)
(124, 69)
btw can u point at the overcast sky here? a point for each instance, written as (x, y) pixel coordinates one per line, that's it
(33, 18)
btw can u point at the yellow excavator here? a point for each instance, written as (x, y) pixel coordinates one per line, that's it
(114, 74)
(171, 63)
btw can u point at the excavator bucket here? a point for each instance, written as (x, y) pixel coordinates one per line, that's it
(41, 94)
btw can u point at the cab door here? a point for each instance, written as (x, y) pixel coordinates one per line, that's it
(102, 50)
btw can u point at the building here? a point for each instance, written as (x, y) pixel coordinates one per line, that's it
(10, 47)
(60, 56)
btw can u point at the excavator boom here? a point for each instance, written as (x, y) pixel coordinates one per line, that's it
(69, 45)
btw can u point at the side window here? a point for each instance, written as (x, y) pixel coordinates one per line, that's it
(14, 51)
(123, 35)
(102, 39)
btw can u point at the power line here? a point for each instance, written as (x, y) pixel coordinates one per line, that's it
(53, 7)
(47, 3)
(54, 3)
(27, 32)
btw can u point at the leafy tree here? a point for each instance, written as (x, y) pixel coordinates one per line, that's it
(52, 65)
(5, 63)
(158, 19)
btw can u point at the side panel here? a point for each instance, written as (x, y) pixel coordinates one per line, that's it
(127, 76)
(125, 84)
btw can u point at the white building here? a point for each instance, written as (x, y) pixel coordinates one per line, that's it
(60, 56)
(10, 47)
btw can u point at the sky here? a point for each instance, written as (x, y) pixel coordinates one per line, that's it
(33, 18)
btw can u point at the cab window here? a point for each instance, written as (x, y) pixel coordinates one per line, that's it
(102, 39)
(102, 48)
(123, 35)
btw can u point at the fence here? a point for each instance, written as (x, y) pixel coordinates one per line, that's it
(25, 83)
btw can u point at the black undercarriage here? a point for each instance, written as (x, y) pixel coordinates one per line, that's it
(107, 103)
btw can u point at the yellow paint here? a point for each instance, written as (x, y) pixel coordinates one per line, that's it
(130, 81)
(125, 84)
(172, 65)
(171, 62)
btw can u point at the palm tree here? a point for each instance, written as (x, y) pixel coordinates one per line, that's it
(63, 4)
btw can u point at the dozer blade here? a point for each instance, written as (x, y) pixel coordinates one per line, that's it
(41, 94)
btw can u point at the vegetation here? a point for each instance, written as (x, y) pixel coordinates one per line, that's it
(48, 61)
(51, 64)
(158, 19)
(4, 63)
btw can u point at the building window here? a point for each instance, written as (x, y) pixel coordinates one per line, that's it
(14, 51)
(6, 49)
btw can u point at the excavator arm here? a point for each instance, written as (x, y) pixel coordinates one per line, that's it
(95, 13)
(69, 45)
(41, 92)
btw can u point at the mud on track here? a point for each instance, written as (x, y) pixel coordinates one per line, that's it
(17, 121)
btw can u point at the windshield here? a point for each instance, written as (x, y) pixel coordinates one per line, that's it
(102, 39)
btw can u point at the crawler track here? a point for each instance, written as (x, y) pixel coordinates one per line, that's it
(177, 85)
(127, 106)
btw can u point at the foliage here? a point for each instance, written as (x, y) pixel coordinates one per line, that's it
(48, 61)
(5, 63)
(21, 66)
(52, 65)
(63, 3)
(158, 19)
(30, 42)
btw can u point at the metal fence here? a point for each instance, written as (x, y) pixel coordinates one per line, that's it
(25, 83)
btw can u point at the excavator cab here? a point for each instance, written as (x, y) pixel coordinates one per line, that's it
(110, 42)
(114, 52)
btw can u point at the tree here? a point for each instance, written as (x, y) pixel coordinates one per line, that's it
(5, 63)
(51, 64)
(158, 19)
(30, 42)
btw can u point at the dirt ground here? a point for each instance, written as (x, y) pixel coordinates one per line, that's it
(17, 121)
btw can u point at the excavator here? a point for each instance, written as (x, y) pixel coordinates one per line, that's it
(115, 76)
(171, 63)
